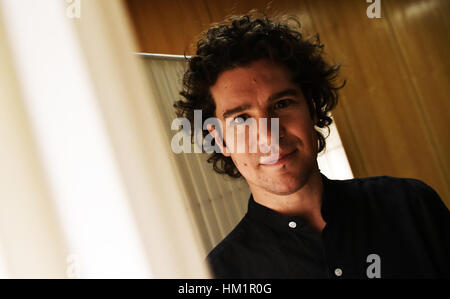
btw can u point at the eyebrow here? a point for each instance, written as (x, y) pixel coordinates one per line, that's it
(275, 96)
(284, 93)
(235, 110)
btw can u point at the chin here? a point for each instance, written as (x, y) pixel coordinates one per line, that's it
(282, 192)
(280, 185)
(289, 182)
(285, 188)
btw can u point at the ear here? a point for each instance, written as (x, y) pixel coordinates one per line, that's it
(212, 130)
(313, 114)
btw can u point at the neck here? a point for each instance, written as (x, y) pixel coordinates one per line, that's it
(305, 202)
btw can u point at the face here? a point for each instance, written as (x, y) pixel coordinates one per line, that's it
(264, 89)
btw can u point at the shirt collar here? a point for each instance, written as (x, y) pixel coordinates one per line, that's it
(279, 221)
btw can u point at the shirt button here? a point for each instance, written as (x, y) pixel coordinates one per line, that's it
(338, 272)
(292, 224)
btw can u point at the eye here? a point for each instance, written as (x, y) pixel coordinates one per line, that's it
(282, 104)
(240, 119)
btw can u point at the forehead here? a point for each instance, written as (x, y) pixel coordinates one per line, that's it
(254, 82)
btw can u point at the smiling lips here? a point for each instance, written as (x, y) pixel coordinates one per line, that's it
(278, 159)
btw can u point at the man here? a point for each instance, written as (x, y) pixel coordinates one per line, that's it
(300, 224)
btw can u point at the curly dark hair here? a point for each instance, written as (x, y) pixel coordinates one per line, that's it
(241, 40)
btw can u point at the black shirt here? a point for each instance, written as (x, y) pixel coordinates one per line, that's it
(402, 221)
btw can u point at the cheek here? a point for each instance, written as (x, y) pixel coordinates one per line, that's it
(241, 160)
(245, 164)
(301, 127)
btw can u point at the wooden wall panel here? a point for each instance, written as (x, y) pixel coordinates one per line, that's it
(385, 118)
(394, 113)
(422, 32)
(168, 26)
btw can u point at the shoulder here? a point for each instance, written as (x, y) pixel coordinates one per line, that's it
(391, 196)
(226, 259)
(231, 241)
(388, 195)
(379, 181)
(384, 187)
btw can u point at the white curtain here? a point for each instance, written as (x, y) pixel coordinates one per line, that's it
(87, 184)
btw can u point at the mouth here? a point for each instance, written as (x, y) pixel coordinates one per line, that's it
(279, 159)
